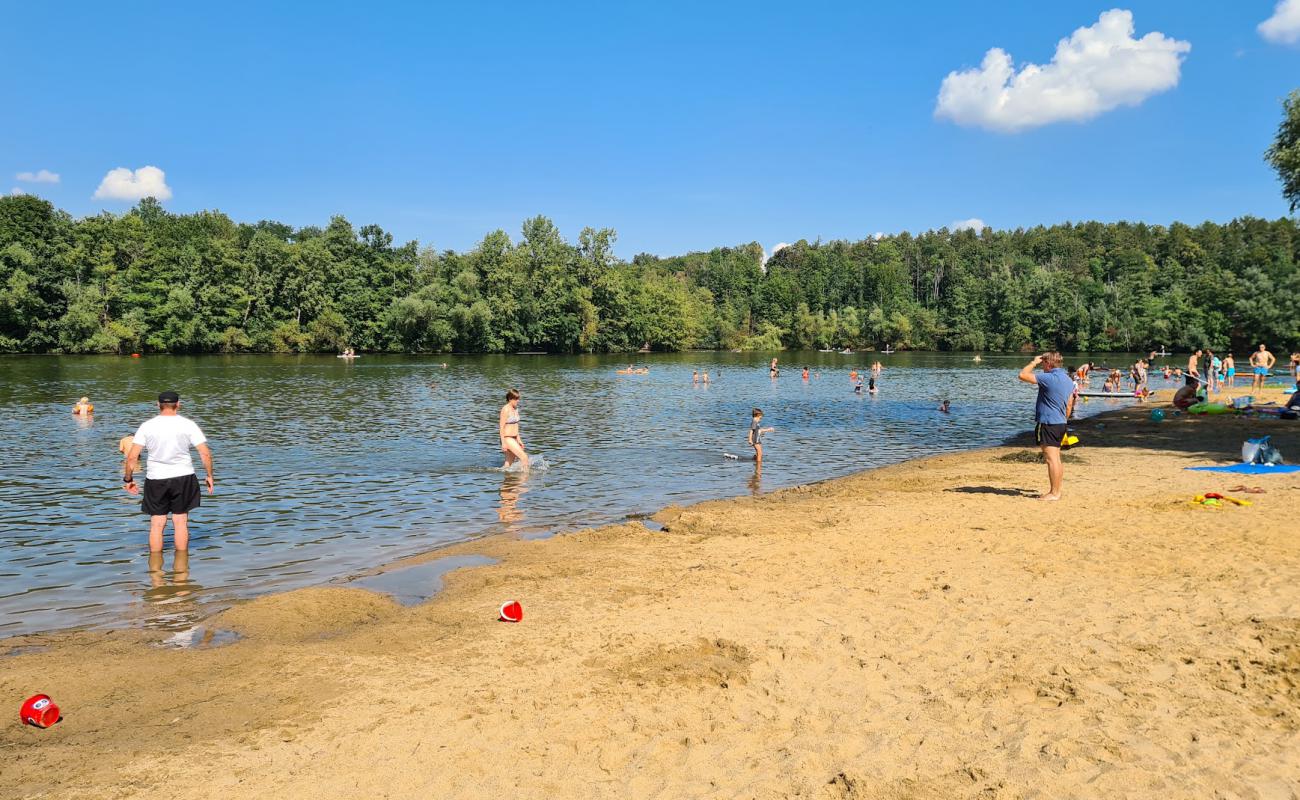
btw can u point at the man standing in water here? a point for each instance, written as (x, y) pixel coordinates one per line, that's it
(170, 486)
(1261, 362)
(1051, 412)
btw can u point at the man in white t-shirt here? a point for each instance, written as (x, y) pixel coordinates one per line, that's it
(170, 486)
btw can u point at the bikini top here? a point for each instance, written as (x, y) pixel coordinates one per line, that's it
(512, 418)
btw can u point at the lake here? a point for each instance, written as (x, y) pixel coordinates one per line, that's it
(328, 468)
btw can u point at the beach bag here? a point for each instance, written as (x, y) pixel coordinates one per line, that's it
(1260, 451)
(1242, 402)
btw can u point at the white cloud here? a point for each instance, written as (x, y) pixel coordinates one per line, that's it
(1097, 69)
(973, 224)
(1284, 26)
(125, 184)
(39, 176)
(776, 248)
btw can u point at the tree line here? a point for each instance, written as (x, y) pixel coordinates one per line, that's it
(151, 281)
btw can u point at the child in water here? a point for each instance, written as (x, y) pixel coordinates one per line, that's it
(857, 387)
(756, 434)
(944, 406)
(83, 406)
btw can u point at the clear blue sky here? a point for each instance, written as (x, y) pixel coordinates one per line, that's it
(682, 125)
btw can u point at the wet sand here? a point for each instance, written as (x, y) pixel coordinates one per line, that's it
(920, 631)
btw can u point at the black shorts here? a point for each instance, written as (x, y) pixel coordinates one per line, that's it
(1049, 435)
(179, 495)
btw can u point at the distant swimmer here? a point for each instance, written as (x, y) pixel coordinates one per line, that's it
(124, 445)
(805, 373)
(705, 378)
(857, 386)
(772, 371)
(695, 376)
(170, 485)
(83, 406)
(871, 385)
(1261, 362)
(853, 376)
(508, 428)
(945, 406)
(877, 368)
(756, 432)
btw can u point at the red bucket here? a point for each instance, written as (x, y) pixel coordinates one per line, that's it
(39, 710)
(512, 612)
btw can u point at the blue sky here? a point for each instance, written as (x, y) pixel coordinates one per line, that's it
(682, 125)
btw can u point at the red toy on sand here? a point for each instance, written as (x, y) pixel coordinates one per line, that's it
(39, 710)
(512, 612)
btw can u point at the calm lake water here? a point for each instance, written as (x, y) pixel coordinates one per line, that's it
(327, 468)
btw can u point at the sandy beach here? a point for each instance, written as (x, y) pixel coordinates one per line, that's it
(920, 631)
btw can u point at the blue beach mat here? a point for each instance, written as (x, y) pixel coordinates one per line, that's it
(1252, 469)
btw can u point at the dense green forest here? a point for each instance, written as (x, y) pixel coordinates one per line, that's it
(148, 280)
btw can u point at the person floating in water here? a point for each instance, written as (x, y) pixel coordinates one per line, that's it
(705, 377)
(805, 373)
(871, 385)
(772, 371)
(170, 485)
(83, 406)
(695, 376)
(857, 386)
(756, 432)
(508, 428)
(945, 406)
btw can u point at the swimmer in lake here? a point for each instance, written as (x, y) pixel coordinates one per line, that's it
(857, 387)
(871, 385)
(805, 373)
(705, 378)
(83, 406)
(508, 429)
(695, 376)
(124, 445)
(772, 371)
(945, 406)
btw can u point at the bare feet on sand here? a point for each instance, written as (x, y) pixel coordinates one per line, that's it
(1049, 496)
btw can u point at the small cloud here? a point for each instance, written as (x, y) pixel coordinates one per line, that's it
(973, 224)
(126, 184)
(1097, 69)
(15, 192)
(39, 176)
(1284, 26)
(776, 248)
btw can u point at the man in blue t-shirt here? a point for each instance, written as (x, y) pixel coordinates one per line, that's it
(1051, 412)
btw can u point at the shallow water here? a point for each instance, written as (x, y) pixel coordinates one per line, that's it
(327, 468)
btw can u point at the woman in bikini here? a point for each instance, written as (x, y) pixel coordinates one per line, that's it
(508, 428)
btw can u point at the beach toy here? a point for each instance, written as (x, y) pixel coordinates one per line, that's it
(1158, 415)
(512, 612)
(135, 355)
(39, 710)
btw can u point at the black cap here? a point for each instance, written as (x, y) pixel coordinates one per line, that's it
(169, 397)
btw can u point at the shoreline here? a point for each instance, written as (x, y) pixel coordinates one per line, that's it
(857, 636)
(462, 547)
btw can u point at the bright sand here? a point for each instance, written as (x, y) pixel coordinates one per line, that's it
(920, 631)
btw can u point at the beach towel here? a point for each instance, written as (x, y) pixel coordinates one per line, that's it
(1252, 469)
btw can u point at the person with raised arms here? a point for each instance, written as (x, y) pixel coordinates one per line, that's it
(1052, 411)
(170, 485)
